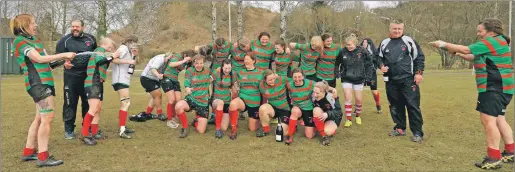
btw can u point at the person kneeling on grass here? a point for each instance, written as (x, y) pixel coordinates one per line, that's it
(327, 112)
(222, 94)
(94, 87)
(39, 84)
(197, 81)
(300, 90)
(494, 77)
(273, 89)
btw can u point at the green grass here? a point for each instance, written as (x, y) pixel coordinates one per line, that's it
(454, 137)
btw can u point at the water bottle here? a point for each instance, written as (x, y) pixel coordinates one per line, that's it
(131, 67)
(279, 133)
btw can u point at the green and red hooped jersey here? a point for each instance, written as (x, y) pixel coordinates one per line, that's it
(301, 95)
(284, 61)
(97, 68)
(263, 54)
(276, 95)
(493, 65)
(199, 82)
(326, 63)
(33, 73)
(249, 81)
(308, 58)
(173, 72)
(220, 54)
(222, 85)
(237, 58)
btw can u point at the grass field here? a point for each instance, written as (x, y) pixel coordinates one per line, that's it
(454, 137)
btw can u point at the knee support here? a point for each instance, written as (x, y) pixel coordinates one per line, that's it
(126, 102)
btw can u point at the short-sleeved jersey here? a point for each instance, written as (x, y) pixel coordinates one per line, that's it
(308, 59)
(493, 65)
(220, 54)
(199, 82)
(283, 62)
(249, 81)
(301, 95)
(172, 73)
(157, 62)
(97, 67)
(263, 54)
(120, 73)
(237, 56)
(276, 95)
(222, 85)
(33, 73)
(326, 63)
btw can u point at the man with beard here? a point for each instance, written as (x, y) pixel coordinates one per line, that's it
(75, 73)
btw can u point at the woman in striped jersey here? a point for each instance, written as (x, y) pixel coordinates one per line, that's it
(283, 60)
(121, 80)
(355, 68)
(309, 55)
(170, 82)
(300, 90)
(249, 99)
(263, 49)
(94, 87)
(39, 84)
(273, 89)
(326, 63)
(238, 52)
(368, 44)
(198, 79)
(327, 113)
(222, 90)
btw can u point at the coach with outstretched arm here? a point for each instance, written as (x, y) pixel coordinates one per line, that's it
(75, 73)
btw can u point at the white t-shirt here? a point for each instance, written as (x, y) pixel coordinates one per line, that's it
(155, 63)
(120, 71)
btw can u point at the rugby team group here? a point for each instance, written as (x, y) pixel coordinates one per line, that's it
(253, 76)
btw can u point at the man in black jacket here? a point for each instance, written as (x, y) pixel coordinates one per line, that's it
(75, 73)
(402, 61)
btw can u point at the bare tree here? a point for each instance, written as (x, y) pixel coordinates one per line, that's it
(102, 15)
(213, 21)
(283, 19)
(240, 19)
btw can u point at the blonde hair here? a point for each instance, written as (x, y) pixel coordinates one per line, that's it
(352, 38)
(266, 73)
(243, 42)
(317, 40)
(20, 24)
(107, 41)
(322, 85)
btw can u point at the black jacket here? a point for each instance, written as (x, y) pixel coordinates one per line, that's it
(354, 66)
(396, 57)
(83, 43)
(372, 49)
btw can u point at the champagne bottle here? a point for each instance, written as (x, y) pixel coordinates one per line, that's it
(279, 133)
(132, 66)
(56, 63)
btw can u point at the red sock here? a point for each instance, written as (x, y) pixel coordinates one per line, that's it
(122, 117)
(320, 125)
(377, 99)
(509, 148)
(348, 111)
(291, 127)
(28, 151)
(169, 111)
(494, 153)
(218, 118)
(358, 110)
(234, 120)
(159, 111)
(266, 129)
(183, 119)
(94, 129)
(149, 110)
(43, 156)
(86, 123)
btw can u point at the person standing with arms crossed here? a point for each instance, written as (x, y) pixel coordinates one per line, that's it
(402, 61)
(75, 74)
(494, 77)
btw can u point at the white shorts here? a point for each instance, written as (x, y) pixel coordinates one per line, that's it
(356, 87)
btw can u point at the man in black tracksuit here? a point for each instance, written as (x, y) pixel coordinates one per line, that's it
(75, 74)
(402, 61)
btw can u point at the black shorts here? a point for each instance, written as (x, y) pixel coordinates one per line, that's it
(373, 82)
(312, 77)
(202, 111)
(119, 86)
(168, 85)
(149, 84)
(95, 91)
(307, 117)
(40, 92)
(283, 115)
(493, 103)
(253, 112)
